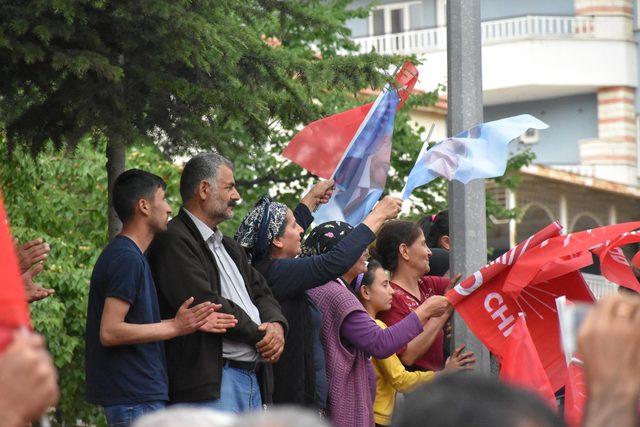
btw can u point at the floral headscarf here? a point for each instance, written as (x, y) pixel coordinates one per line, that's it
(260, 226)
(325, 237)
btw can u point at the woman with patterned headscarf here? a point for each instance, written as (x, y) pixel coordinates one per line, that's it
(350, 336)
(271, 234)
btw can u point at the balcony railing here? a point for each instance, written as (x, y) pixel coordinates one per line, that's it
(600, 287)
(526, 27)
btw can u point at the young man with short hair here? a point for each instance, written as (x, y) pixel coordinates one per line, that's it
(125, 361)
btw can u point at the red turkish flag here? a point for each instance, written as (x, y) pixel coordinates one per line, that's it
(14, 312)
(406, 79)
(520, 364)
(575, 396)
(319, 146)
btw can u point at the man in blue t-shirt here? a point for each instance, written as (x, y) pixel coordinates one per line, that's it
(124, 359)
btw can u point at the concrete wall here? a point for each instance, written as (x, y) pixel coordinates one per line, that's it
(570, 119)
(498, 9)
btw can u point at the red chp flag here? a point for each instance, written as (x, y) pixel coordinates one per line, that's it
(575, 396)
(491, 313)
(521, 365)
(614, 264)
(559, 247)
(14, 312)
(319, 146)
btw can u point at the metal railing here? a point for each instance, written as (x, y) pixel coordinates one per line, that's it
(600, 287)
(525, 27)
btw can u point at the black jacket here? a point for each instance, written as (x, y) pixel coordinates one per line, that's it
(183, 266)
(290, 278)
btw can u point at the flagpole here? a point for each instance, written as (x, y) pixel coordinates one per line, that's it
(426, 141)
(467, 217)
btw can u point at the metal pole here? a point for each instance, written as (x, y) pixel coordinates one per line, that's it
(467, 219)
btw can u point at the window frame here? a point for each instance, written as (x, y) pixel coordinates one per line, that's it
(387, 8)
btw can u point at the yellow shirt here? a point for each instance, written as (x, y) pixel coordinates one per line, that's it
(393, 377)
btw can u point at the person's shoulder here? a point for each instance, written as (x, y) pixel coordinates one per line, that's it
(333, 288)
(267, 266)
(398, 294)
(120, 258)
(177, 226)
(176, 231)
(434, 282)
(231, 242)
(121, 249)
(235, 250)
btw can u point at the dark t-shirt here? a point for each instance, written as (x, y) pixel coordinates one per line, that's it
(125, 373)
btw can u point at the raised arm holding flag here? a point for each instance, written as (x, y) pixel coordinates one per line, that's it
(353, 148)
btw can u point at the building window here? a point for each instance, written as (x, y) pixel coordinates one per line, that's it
(378, 22)
(441, 13)
(390, 18)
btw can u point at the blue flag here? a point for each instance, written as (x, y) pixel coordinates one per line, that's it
(480, 152)
(361, 175)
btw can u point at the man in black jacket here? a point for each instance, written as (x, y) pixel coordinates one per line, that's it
(194, 258)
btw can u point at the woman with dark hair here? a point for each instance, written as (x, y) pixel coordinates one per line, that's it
(402, 249)
(375, 293)
(436, 230)
(350, 336)
(271, 234)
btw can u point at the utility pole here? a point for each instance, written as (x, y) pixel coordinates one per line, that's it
(467, 218)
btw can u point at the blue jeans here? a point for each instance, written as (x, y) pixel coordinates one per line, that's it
(239, 392)
(124, 415)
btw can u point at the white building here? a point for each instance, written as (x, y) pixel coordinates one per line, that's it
(572, 64)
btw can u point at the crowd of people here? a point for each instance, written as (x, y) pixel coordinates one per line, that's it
(181, 315)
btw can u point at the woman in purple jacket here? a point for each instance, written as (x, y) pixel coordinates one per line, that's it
(350, 336)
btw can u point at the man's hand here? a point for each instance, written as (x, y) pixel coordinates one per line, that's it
(460, 361)
(318, 195)
(28, 380)
(188, 320)
(609, 345)
(272, 344)
(31, 253)
(218, 323)
(34, 291)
